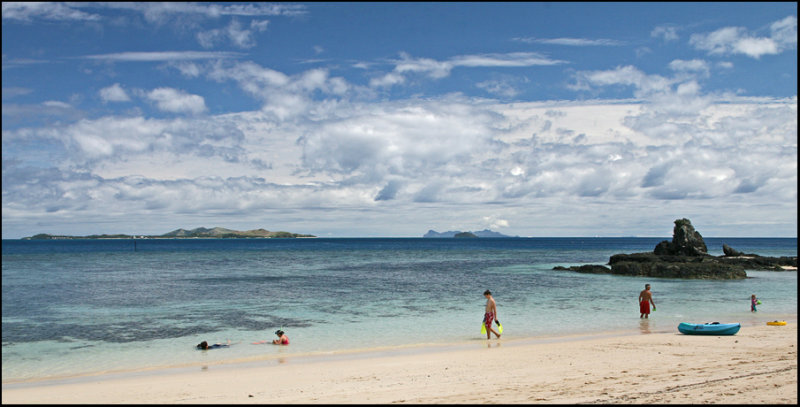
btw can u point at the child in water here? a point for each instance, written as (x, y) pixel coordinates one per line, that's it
(282, 338)
(753, 302)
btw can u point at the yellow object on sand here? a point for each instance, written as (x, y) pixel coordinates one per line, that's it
(776, 323)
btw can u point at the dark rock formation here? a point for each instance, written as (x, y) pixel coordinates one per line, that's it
(685, 241)
(586, 268)
(730, 251)
(686, 256)
(754, 261)
(674, 266)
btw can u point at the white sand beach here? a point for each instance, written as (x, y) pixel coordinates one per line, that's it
(758, 365)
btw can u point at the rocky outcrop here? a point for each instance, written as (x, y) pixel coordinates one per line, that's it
(586, 268)
(686, 256)
(730, 251)
(674, 266)
(756, 262)
(685, 241)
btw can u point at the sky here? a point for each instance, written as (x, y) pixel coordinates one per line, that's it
(391, 119)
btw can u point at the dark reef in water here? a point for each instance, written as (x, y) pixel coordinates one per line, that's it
(686, 256)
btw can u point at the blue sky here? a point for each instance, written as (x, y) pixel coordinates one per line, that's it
(389, 119)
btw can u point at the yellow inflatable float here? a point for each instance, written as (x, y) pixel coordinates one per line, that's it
(776, 323)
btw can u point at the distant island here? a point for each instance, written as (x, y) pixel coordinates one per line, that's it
(460, 234)
(214, 233)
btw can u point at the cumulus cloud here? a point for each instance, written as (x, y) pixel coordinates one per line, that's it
(114, 93)
(282, 95)
(315, 144)
(738, 40)
(492, 222)
(450, 152)
(177, 101)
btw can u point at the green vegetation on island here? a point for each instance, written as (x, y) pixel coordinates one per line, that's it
(214, 233)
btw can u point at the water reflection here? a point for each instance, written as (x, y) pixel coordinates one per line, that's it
(644, 326)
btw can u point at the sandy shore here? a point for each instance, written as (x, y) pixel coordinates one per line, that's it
(756, 366)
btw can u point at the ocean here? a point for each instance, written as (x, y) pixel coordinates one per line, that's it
(82, 307)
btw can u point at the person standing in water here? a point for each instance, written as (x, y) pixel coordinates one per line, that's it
(645, 299)
(753, 303)
(490, 314)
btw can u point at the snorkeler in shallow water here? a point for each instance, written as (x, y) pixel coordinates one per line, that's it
(205, 346)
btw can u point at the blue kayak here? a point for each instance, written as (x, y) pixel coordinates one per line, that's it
(714, 328)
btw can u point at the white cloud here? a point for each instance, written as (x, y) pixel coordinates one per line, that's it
(448, 156)
(493, 223)
(512, 59)
(725, 64)
(667, 32)
(573, 42)
(160, 12)
(56, 103)
(27, 11)
(388, 80)
(505, 86)
(162, 56)
(114, 93)
(784, 32)
(188, 69)
(440, 69)
(737, 40)
(282, 95)
(14, 91)
(694, 65)
(177, 101)
(234, 33)
(155, 12)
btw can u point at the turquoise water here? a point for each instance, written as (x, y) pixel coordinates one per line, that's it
(82, 307)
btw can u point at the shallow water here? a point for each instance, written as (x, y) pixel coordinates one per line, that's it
(76, 307)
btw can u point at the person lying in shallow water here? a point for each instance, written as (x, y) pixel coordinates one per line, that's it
(205, 346)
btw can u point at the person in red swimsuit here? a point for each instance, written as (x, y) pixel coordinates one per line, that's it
(282, 338)
(645, 299)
